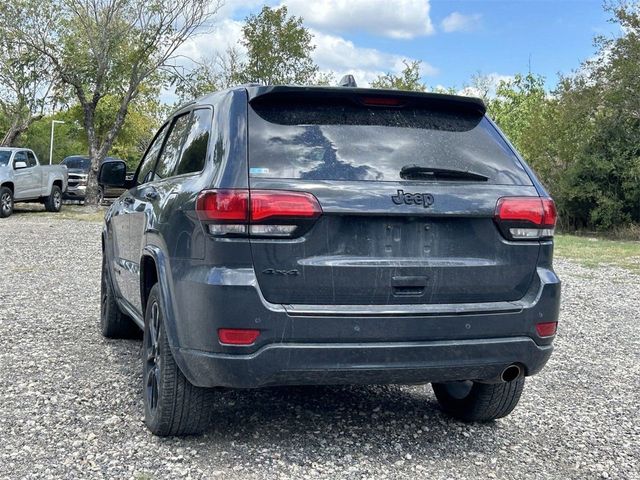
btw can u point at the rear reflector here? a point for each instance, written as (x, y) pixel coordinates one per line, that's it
(237, 336)
(547, 329)
(525, 218)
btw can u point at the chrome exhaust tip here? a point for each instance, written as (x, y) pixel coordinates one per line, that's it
(511, 373)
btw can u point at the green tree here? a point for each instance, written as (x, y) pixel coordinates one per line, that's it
(26, 87)
(137, 130)
(104, 50)
(408, 79)
(583, 139)
(518, 105)
(209, 75)
(278, 49)
(597, 132)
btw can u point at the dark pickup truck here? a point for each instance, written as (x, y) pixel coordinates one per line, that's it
(319, 235)
(78, 167)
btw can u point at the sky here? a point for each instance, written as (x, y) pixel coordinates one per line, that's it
(454, 39)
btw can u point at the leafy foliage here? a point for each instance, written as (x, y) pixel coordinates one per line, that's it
(278, 49)
(408, 79)
(210, 75)
(26, 88)
(71, 139)
(104, 51)
(584, 139)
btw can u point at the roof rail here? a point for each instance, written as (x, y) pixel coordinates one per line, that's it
(347, 81)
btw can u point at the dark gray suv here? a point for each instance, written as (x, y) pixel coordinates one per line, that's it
(298, 235)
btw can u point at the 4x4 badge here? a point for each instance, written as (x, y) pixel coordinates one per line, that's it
(273, 271)
(424, 199)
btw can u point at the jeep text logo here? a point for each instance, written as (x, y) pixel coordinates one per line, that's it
(424, 199)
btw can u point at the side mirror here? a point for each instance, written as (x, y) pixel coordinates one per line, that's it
(19, 165)
(113, 174)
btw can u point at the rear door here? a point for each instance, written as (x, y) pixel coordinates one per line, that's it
(126, 238)
(26, 179)
(384, 236)
(37, 176)
(160, 203)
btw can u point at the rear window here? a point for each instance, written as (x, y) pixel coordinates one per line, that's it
(4, 157)
(336, 141)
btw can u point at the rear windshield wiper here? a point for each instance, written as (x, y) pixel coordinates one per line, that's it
(417, 172)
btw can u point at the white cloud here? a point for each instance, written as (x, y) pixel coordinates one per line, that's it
(334, 53)
(223, 34)
(403, 19)
(457, 22)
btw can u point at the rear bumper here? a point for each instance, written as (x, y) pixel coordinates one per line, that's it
(315, 344)
(326, 364)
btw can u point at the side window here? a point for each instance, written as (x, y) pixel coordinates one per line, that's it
(32, 159)
(145, 172)
(20, 157)
(171, 152)
(194, 153)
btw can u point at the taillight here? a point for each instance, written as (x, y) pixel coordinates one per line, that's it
(223, 205)
(266, 204)
(526, 218)
(263, 213)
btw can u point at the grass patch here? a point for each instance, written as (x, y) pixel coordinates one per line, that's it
(68, 212)
(593, 252)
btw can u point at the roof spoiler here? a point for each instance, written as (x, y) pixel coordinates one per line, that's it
(276, 95)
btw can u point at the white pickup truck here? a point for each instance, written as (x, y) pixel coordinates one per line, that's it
(23, 179)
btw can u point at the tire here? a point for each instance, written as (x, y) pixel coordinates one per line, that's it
(113, 323)
(53, 203)
(172, 405)
(478, 402)
(6, 202)
(100, 195)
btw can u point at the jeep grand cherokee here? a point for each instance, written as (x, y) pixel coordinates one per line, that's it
(316, 235)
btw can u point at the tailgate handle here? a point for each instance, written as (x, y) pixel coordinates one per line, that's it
(408, 285)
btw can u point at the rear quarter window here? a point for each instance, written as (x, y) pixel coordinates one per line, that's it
(171, 153)
(336, 141)
(145, 170)
(194, 152)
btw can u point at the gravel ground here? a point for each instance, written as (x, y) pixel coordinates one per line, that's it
(70, 404)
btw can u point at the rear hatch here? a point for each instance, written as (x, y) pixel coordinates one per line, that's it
(407, 185)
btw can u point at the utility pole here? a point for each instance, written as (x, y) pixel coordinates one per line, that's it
(53, 123)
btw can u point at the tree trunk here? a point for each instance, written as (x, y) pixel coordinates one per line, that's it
(11, 136)
(16, 129)
(98, 150)
(96, 155)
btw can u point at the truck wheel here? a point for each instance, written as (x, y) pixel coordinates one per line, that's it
(113, 323)
(53, 203)
(478, 402)
(172, 405)
(6, 202)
